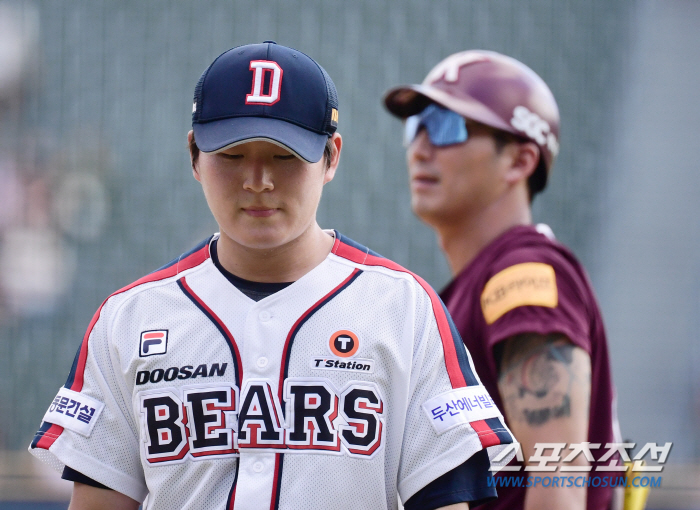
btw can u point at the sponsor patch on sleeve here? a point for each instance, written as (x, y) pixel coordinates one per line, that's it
(74, 411)
(530, 283)
(458, 406)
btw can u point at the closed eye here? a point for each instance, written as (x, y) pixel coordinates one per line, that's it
(285, 157)
(230, 156)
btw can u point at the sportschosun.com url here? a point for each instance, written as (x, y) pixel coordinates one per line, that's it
(574, 481)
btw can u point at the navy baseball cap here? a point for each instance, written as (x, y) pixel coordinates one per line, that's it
(265, 92)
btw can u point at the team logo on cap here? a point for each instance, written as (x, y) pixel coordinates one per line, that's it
(153, 342)
(265, 71)
(450, 67)
(344, 343)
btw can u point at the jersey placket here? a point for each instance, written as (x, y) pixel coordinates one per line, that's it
(262, 349)
(268, 326)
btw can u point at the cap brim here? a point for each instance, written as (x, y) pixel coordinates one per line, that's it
(221, 134)
(406, 100)
(409, 100)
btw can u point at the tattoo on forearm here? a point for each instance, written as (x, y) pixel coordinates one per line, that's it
(537, 376)
(540, 416)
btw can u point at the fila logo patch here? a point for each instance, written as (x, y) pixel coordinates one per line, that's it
(344, 343)
(261, 70)
(153, 342)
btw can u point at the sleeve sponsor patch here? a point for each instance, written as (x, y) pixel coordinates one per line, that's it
(530, 283)
(74, 411)
(458, 406)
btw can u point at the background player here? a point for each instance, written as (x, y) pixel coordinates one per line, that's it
(482, 133)
(276, 365)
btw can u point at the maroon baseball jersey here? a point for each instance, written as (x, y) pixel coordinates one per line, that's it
(526, 282)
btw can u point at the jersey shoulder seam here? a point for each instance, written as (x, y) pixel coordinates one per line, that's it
(120, 299)
(559, 261)
(192, 260)
(124, 295)
(404, 274)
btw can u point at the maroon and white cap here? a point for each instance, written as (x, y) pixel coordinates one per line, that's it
(490, 88)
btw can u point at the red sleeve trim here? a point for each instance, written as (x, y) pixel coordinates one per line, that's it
(486, 435)
(48, 438)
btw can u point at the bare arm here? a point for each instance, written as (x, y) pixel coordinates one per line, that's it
(86, 497)
(545, 384)
(456, 506)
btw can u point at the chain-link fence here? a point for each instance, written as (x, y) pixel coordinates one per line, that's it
(95, 102)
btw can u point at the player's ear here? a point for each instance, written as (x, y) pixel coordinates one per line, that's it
(524, 160)
(336, 146)
(194, 153)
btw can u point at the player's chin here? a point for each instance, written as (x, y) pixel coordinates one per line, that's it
(262, 236)
(423, 206)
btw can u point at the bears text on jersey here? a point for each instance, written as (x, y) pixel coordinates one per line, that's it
(212, 419)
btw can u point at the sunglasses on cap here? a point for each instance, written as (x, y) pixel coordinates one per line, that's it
(444, 127)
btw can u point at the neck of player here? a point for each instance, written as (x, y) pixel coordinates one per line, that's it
(285, 263)
(462, 238)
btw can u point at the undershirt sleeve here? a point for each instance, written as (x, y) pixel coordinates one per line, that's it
(468, 482)
(75, 476)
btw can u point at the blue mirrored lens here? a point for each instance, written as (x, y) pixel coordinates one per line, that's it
(444, 127)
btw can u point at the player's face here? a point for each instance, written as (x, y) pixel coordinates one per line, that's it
(452, 183)
(261, 195)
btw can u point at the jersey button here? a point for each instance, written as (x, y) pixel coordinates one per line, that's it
(258, 467)
(262, 362)
(265, 316)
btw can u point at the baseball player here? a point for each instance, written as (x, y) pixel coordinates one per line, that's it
(482, 133)
(275, 365)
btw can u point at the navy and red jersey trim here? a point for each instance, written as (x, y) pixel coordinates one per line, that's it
(183, 257)
(276, 492)
(497, 427)
(284, 369)
(462, 356)
(232, 492)
(491, 432)
(235, 354)
(48, 432)
(287, 351)
(46, 436)
(456, 360)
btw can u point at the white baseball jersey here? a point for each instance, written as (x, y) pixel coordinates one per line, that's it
(336, 392)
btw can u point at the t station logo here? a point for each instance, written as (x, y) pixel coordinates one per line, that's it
(344, 343)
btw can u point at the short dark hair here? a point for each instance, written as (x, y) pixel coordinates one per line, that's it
(327, 151)
(538, 179)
